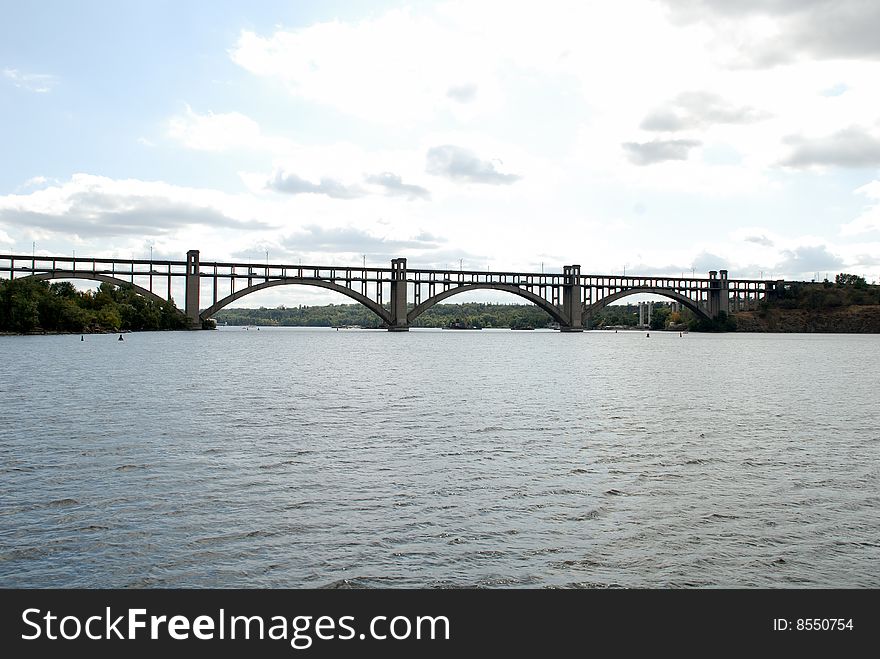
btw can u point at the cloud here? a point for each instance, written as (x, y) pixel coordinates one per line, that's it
(40, 83)
(395, 67)
(706, 261)
(395, 187)
(649, 153)
(850, 147)
(870, 219)
(221, 132)
(789, 30)
(96, 206)
(293, 184)
(354, 241)
(460, 164)
(462, 93)
(691, 10)
(801, 262)
(867, 259)
(699, 109)
(762, 240)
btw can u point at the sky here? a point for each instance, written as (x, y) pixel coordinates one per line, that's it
(639, 136)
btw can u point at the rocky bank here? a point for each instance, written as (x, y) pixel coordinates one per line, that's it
(854, 319)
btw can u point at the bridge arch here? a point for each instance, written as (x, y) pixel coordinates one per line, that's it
(375, 307)
(94, 276)
(664, 292)
(510, 288)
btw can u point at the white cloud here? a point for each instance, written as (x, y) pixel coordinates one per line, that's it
(40, 83)
(221, 132)
(804, 262)
(627, 74)
(649, 153)
(460, 164)
(777, 32)
(397, 67)
(870, 219)
(97, 206)
(851, 147)
(699, 109)
(290, 183)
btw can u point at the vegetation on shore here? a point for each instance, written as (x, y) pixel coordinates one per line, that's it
(468, 314)
(847, 305)
(846, 290)
(30, 305)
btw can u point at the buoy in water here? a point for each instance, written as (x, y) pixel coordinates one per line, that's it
(82, 338)
(648, 335)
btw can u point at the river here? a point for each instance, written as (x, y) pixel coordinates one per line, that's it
(317, 458)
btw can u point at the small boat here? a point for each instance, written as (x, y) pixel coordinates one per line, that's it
(458, 325)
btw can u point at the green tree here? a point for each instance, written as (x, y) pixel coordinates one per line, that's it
(844, 279)
(659, 317)
(63, 289)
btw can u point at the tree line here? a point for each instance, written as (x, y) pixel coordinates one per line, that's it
(469, 314)
(29, 305)
(466, 314)
(846, 290)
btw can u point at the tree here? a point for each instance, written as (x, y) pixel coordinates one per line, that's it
(659, 317)
(63, 289)
(844, 279)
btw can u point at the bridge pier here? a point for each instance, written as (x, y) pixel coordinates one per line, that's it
(192, 288)
(398, 296)
(719, 293)
(572, 304)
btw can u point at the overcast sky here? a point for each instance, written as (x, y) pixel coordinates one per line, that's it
(659, 136)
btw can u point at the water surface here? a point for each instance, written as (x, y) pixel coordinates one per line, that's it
(313, 457)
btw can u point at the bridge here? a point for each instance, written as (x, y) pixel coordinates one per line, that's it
(399, 294)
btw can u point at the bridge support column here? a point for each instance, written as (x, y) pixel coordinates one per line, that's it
(192, 288)
(724, 292)
(719, 293)
(398, 296)
(572, 304)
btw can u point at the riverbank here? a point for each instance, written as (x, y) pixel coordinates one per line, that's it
(854, 319)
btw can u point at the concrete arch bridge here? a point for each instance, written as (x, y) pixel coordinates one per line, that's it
(399, 294)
